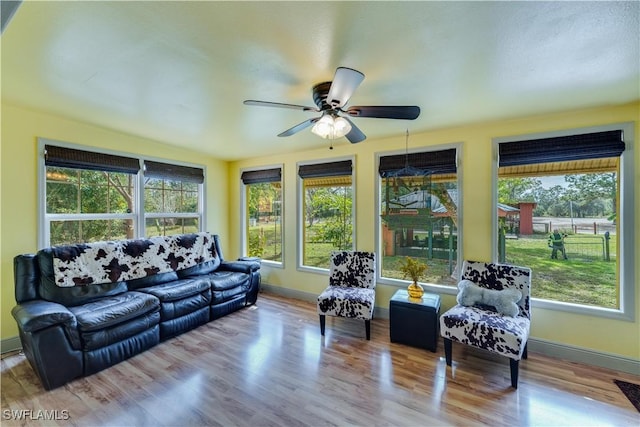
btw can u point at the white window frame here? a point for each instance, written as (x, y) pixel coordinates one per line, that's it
(162, 215)
(138, 216)
(429, 287)
(244, 209)
(300, 215)
(626, 222)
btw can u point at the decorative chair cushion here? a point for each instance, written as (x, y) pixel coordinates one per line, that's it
(487, 330)
(352, 269)
(355, 303)
(504, 301)
(501, 276)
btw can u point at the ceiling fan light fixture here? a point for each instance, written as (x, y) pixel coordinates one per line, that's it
(331, 126)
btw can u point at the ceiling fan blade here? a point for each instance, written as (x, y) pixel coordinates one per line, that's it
(385, 112)
(355, 135)
(345, 82)
(297, 128)
(279, 105)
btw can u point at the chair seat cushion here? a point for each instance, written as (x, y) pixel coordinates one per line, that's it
(355, 303)
(486, 329)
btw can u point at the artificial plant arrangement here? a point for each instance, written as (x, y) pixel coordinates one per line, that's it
(414, 269)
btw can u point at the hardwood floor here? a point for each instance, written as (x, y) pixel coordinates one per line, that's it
(268, 365)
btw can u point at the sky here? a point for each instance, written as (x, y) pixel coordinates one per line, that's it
(552, 181)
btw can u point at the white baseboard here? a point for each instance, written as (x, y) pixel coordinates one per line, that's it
(584, 355)
(547, 348)
(10, 344)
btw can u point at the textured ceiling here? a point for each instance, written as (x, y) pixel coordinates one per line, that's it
(177, 72)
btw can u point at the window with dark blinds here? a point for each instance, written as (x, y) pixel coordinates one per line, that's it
(173, 172)
(428, 162)
(262, 176)
(562, 148)
(319, 170)
(81, 159)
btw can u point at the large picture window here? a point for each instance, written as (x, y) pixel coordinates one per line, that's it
(419, 212)
(263, 214)
(326, 206)
(561, 206)
(90, 196)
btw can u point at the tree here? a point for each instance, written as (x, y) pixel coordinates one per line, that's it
(331, 207)
(514, 190)
(260, 195)
(549, 199)
(589, 187)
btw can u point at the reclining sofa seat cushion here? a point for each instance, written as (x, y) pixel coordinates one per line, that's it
(115, 318)
(184, 304)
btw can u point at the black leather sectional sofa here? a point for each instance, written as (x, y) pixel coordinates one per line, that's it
(82, 308)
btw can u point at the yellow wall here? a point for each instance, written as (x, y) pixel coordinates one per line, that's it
(19, 216)
(18, 202)
(596, 333)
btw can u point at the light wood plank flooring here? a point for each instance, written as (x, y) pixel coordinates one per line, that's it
(268, 366)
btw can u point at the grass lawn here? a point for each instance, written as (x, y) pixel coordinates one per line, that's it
(437, 270)
(270, 238)
(580, 280)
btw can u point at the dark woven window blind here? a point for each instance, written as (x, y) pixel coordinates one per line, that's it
(562, 149)
(429, 162)
(319, 170)
(262, 176)
(81, 159)
(173, 172)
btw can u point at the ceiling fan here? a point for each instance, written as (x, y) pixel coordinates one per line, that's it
(331, 99)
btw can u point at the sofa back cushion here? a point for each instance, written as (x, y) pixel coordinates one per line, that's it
(88, 271)
(73, 295)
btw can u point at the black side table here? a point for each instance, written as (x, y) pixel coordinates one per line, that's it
(415, 322)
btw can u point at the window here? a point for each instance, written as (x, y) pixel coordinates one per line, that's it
(419, 214)
(171, 199)
(88, 196)
(262, 234)
(326, 211)
(568, 196)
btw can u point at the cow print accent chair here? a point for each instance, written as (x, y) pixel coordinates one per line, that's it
(481, 326)
(351, 291)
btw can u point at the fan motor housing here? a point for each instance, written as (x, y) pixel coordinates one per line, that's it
(320, 93)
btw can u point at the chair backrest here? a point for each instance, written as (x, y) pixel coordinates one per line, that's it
(353, 269)
(501, 276)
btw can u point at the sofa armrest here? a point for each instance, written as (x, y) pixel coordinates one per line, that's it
(36, 315)
(247, 267)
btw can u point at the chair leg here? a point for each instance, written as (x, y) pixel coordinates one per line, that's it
(526, 351)
(367, 328)
(322, 321)
(447, 350)
(514, 372)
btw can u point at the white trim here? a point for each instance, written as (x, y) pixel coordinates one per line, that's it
(584, 355)
(458, 146)
(244, 213)
(10, 344)
(138, 216)
(626, 221)
(300, 215)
